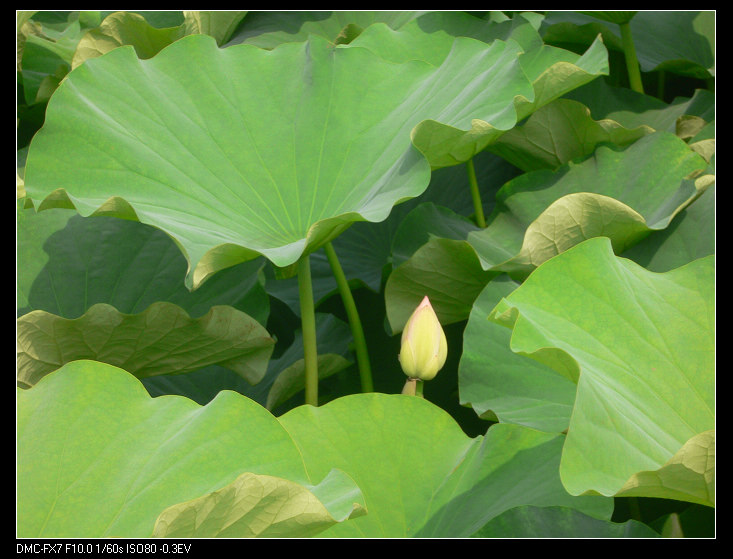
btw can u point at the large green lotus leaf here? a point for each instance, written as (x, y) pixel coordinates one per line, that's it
(98, 457)
(643, 343)
(682, 42)
(261, 506)
(620, 193)
(559, 522)
(163, 339)
(497, 382)
(90, 465)
(420, 474)
(67, 263)
(270, 29)
(558, 133)
(229, 167)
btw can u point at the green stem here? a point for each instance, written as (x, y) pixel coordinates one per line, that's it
(308, 322)
(419, 389)
(409, 388)
(632, 63)
(362, 355)
(475, 194)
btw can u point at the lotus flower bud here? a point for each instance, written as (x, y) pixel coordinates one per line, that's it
(424, 347)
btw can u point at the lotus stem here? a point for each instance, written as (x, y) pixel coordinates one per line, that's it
(413, 387)
(475, 195)
(410, 387)
(362, 355)
(308, 324)
(632, 63)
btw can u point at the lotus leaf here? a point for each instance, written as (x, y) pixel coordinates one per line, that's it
(211, 199)
(643, 344)
(541, 213)
(691, 235)
(228, 166)
(67, 263)
(447, 271)
(417, 469)
(91, 465)
(163, 339)
(499, 383)
(203, 385)
(507, 243)
(560, 132)
(98, 457)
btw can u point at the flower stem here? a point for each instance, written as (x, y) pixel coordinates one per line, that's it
(308, 323)
(362, 355)
(475, 194)
(410, 387)
(413, 387)
(632, 63)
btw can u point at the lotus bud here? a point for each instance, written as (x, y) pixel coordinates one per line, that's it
(424, 347)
